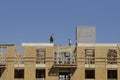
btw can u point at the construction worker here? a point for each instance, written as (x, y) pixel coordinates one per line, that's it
(52, 38)
(69, 42)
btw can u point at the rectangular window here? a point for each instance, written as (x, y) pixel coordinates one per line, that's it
(0, 72)
(40, 73)
(89, 56)
(90, 74)
(64, 76)
(19, 73)
(112, 74)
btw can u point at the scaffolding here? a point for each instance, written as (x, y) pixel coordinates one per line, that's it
(64, 56)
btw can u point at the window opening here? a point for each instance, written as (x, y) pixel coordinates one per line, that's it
(90, 74)
(18, 73)
(64, 76)
(112, 74)
(40, 73)
(0, 72)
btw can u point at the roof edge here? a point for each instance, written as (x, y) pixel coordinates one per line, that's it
(98, 44)
(37, 44)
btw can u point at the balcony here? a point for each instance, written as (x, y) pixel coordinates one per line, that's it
(65, 56)
(69, 62)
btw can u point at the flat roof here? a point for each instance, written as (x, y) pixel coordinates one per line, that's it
(99, 44)
(37, 44)
(7, 44)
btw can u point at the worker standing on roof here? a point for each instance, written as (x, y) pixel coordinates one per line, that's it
(69, 42)
(52, 38)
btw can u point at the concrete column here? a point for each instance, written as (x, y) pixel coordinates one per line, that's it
(9, 70)
(29, 71)
(100, 67)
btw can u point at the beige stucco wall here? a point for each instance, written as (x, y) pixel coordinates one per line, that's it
(8, 73)
(100, 67)
(78, 72)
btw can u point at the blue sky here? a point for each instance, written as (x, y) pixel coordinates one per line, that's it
(34, 20)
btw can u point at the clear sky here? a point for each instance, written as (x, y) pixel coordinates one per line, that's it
(34, 20)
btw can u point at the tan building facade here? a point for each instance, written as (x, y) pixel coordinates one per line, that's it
(46, 61)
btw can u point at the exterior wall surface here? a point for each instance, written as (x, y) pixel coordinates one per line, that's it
(53, 71)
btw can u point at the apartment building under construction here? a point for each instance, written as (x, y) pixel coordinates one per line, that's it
(47, 61)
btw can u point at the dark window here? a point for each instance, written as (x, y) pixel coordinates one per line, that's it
(64, 76)
(90, 74)
(18, 73)
(112, 74)
(0, 72)
(40, 73)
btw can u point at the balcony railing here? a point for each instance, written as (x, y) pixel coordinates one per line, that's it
(65, 61)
